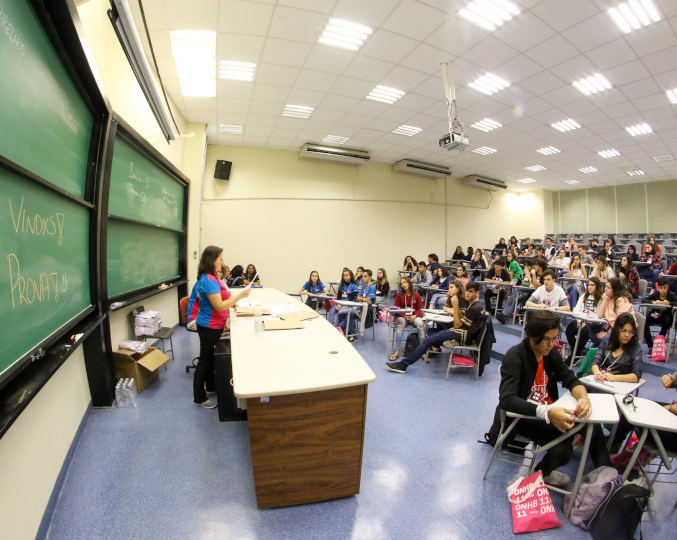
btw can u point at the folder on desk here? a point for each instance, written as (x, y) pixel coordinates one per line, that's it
(247, 311)
(282, 325)
(299, 315)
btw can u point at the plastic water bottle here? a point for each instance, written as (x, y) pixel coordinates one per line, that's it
(258, 327)
(130, 391)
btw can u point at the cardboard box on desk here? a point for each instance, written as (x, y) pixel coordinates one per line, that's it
(143, 368)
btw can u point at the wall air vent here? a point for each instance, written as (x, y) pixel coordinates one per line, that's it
(350, 156)
(419, 167)
(483, 182)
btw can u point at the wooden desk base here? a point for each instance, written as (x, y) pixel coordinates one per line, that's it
(307, 447)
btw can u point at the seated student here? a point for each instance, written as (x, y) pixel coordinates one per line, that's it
(466, 329)
(673, 272)
(251, 274)
(366, 292)
(423, 276)
(409, 264)
(619, 355)
(669, 438)
(469, 253)
(499, 249)
(651, 241)
(540, 253)
(550, 251)
(347, 290)
(606, 251)
(458, 254)
(235, 279)
(662, 317)
(615, 300)
(477, 263)
(602, 270)
(462, 274)
(382, 286)
(440, 281)
(586, 259)
(525, 246)
(549, 295)
(358, 275)
(513, 244)
(653, 270)
(587, 304)
(433, 263)
(612, 244)
(456, 288)
(496, 273)
(632, 251)
(570, 246)
(527, 279)
(576, 270)
(314, 285)
(627, 273)
(530, 251)
(561, 261)
(513, 267)
(594, 245)
(407, 298)
(223, 274)
(529, 375)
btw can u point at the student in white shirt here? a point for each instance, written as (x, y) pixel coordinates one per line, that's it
(561, 261)
(549, 295)
(602, 270)
(587, 305)
(550, 250)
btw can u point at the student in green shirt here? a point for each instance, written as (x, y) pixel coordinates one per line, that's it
(513, 267)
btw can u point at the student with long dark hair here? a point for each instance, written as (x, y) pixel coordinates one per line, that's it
(407, 298)
(409, 264)
(250, 274)
(615, 300)
(382, 284)
(235, 279)
(587, 305)
(347, 290)
(440, 282)
(627, 273)
(214, 299)
(619, 356)
(314, 285)
(458, 254)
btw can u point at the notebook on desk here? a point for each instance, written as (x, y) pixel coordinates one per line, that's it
(282, 325)
(250, 311)
(299, 315)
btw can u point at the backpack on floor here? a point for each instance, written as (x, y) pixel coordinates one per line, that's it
(412, 342)
(619, 514)
(594, 488)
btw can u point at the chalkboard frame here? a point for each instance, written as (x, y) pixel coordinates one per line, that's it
(121, 129)
(29, 374)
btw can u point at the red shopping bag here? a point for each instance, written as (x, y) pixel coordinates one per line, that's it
(532, 508)
(622, 459)
(460, 360)
(658, 349)
(384, 315)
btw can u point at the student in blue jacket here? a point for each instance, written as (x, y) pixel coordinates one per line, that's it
(313, 286)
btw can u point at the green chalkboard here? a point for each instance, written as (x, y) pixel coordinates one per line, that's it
(44, 279)
(139, 256)
(44, 124)
(141, 190)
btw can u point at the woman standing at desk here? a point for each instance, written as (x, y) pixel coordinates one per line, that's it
(214, 299)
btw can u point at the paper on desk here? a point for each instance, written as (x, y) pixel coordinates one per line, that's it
(299, 315)
(282, 308)
(248, 302)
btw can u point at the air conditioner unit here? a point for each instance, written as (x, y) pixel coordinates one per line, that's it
(483, 182)
(420, 167)
(332, 153)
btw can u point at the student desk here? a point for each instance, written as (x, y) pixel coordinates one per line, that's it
(650, 416)
(306, 393)
(612, 387)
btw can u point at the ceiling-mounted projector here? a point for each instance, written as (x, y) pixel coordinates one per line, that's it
(450, 141)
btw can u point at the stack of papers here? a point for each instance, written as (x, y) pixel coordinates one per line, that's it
(136, 346)
(147, 323)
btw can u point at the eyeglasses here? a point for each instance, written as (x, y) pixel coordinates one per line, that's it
(550, 341)
(628, 332)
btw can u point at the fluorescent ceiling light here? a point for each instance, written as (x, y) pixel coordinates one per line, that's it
(344, 34)
(484, 150)
(194, 53)
(489, 14)
(639, 129)
(635, 172)
(236, 71)
(334, 139)
(588, 170)
(535, 168)
(592, 85)
(385, 94)
(489, 84)
(611, 152)
(230, 129)
(548, 150)
(407, 130)
(486, 125)
(526, 180)
(634, 14)
(571, 181)
(672, 95)
(297, 111)
(566, 125)
(666, 157)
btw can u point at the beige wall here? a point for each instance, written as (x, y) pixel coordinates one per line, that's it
(630, 208)
(289, 216)
(33, 450)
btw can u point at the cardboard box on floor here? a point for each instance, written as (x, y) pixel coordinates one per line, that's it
(143, 368)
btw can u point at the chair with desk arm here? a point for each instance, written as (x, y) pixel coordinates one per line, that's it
(473, 348)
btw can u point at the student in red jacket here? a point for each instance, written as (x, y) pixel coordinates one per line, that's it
(407, 298)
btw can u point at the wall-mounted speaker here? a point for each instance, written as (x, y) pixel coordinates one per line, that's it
(222, 169)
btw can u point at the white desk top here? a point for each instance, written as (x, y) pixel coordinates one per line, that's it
(603, 408)
(648, 414)
(292, 361)
(609, 387)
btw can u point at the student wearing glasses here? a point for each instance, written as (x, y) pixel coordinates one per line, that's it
(530, 374)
